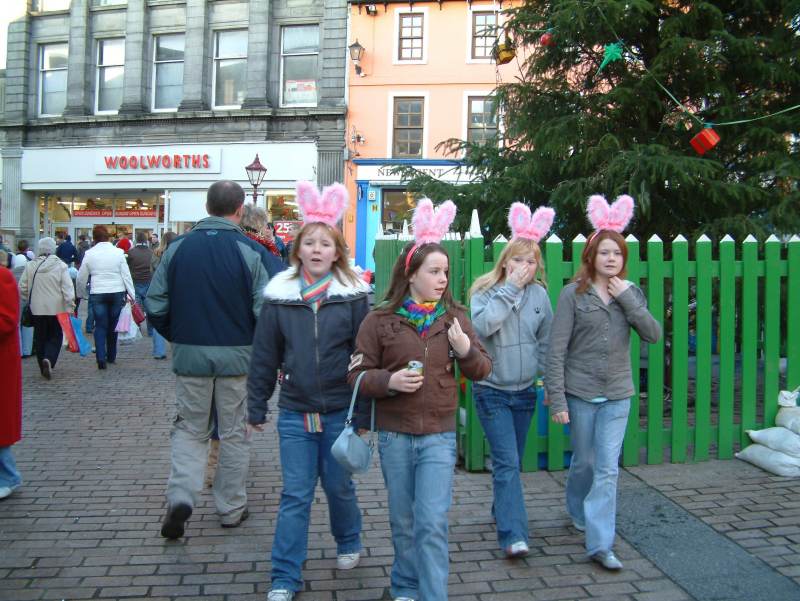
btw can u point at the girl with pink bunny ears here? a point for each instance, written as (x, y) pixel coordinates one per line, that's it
(307, 327)
(406, 350)
(588, 377)
(511, 313)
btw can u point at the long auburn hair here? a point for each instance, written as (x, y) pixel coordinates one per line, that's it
(516, 247)
(587, 272)
(340, 269)
(399, 286)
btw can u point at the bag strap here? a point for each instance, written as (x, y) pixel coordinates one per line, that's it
(33, 281)
(349, 419)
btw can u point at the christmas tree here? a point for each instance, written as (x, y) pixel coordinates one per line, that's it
(610, 95)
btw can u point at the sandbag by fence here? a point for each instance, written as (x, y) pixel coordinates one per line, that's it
(776, 462)
(789, 418)
(777, 439)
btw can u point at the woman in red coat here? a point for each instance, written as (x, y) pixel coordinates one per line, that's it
(10, 382)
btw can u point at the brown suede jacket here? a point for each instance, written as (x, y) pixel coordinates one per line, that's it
(386, 342)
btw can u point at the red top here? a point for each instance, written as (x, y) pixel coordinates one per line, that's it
(10, 361)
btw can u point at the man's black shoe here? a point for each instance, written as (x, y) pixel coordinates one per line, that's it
(174, 523)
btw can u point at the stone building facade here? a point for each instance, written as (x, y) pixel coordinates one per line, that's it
(122, 112)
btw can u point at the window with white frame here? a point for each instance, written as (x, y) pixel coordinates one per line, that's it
(410, 37)
(168, 52)
(108, 2)
(52, 78)
(299, 65)
(230, 68)
(484, 34)
(110, 73)
(482, 120)
(52, 5)
(408, 127)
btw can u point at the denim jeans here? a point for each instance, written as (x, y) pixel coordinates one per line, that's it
(107, 307)
(89, 325)
(305, 458)
(596, 432)
(506, 417)
(159, 343)
(418, 472)
(9, 476)
(25, 341)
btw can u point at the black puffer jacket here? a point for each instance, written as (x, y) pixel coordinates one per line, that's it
(313, 349)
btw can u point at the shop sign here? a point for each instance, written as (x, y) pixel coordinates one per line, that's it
(110, 213)
(446, 173)
(137, 213)
(285, 229)
(157, 160)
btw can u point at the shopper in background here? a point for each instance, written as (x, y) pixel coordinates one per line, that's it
(10, 383)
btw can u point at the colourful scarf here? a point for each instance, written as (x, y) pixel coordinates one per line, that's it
(421, 315)
(314, 292)
(265, 242)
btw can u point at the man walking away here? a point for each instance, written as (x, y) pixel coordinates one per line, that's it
(204, 298)
(83, 246)
(66, 251)
(139, 258)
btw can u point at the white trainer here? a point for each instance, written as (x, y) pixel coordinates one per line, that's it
(347, 561)
(518, 549)
(280, 594)
(5, 491)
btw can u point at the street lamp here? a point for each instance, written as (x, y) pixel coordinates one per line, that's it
(255, 174)
(356, 52)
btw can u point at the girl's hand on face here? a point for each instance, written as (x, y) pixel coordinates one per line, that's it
(458, 339)
(405, 380)
(561, 417)
(616, 286)
(519, 276)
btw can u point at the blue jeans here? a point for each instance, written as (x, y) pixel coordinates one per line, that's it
(159, 343)
(9, 476)
(305, 458)
(107, 307)
(25, 341)
(418, 472)
(89, 325)
(596, 431)
(506, 417)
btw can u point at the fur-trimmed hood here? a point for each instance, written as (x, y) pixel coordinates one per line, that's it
(285, 287)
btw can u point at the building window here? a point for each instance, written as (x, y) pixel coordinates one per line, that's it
(398, 206)
(484, 34)
(407, 127)
(482, 120)
(168, 71)
(230, 67)
(110, 73)
(52, 5)
(299, 65)
(52, 79)
(108, 2)
(410, 42)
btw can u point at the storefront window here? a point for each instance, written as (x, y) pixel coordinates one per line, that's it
(281, 206)
(397, 206)
(94, 206)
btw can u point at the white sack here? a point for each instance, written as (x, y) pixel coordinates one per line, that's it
(772, 461)
(777, 439)
(789, 417)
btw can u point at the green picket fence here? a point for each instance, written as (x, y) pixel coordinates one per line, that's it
(740, 310)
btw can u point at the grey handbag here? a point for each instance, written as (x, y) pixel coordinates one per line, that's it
(351, 451)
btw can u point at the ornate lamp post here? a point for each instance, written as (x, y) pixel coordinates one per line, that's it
(255, 174)
(356, 52)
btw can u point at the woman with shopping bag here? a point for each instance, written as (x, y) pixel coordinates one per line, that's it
(45, 286)
(111, 285)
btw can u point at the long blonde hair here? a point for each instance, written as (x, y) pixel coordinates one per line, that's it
(517, 246)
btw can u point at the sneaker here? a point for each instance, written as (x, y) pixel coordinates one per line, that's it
(347, 561)
(5, 491)
(175, 521)
(280, 594)
(404, 599)
(607, 559)
(234, 523)
(47, 369)
(517, 549)
(578, 526)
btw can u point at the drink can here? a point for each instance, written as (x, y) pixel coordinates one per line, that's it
(415, 366)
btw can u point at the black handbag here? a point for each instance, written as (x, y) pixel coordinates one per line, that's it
(26, 317)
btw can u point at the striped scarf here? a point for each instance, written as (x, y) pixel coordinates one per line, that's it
(421, 315)
(314, 292)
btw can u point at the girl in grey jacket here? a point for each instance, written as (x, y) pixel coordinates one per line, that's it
(589, 380)
(511, 314)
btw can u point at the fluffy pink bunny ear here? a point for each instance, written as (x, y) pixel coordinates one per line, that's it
(326, 208)
(533, 227)
(431, 225)
(615, 217)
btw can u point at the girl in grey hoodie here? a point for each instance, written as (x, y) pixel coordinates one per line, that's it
(511, 313)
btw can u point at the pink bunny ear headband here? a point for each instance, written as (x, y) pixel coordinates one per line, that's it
(430, 225)
(604, 217)
(532, 227)
(326, 208)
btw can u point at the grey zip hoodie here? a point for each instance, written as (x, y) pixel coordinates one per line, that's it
(514, 326)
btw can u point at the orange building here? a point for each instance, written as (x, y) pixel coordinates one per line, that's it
(426, 74)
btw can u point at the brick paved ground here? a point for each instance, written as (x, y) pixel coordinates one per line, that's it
(95, 461)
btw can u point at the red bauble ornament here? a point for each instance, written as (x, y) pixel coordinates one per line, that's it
(547, 39)
(705, 141)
